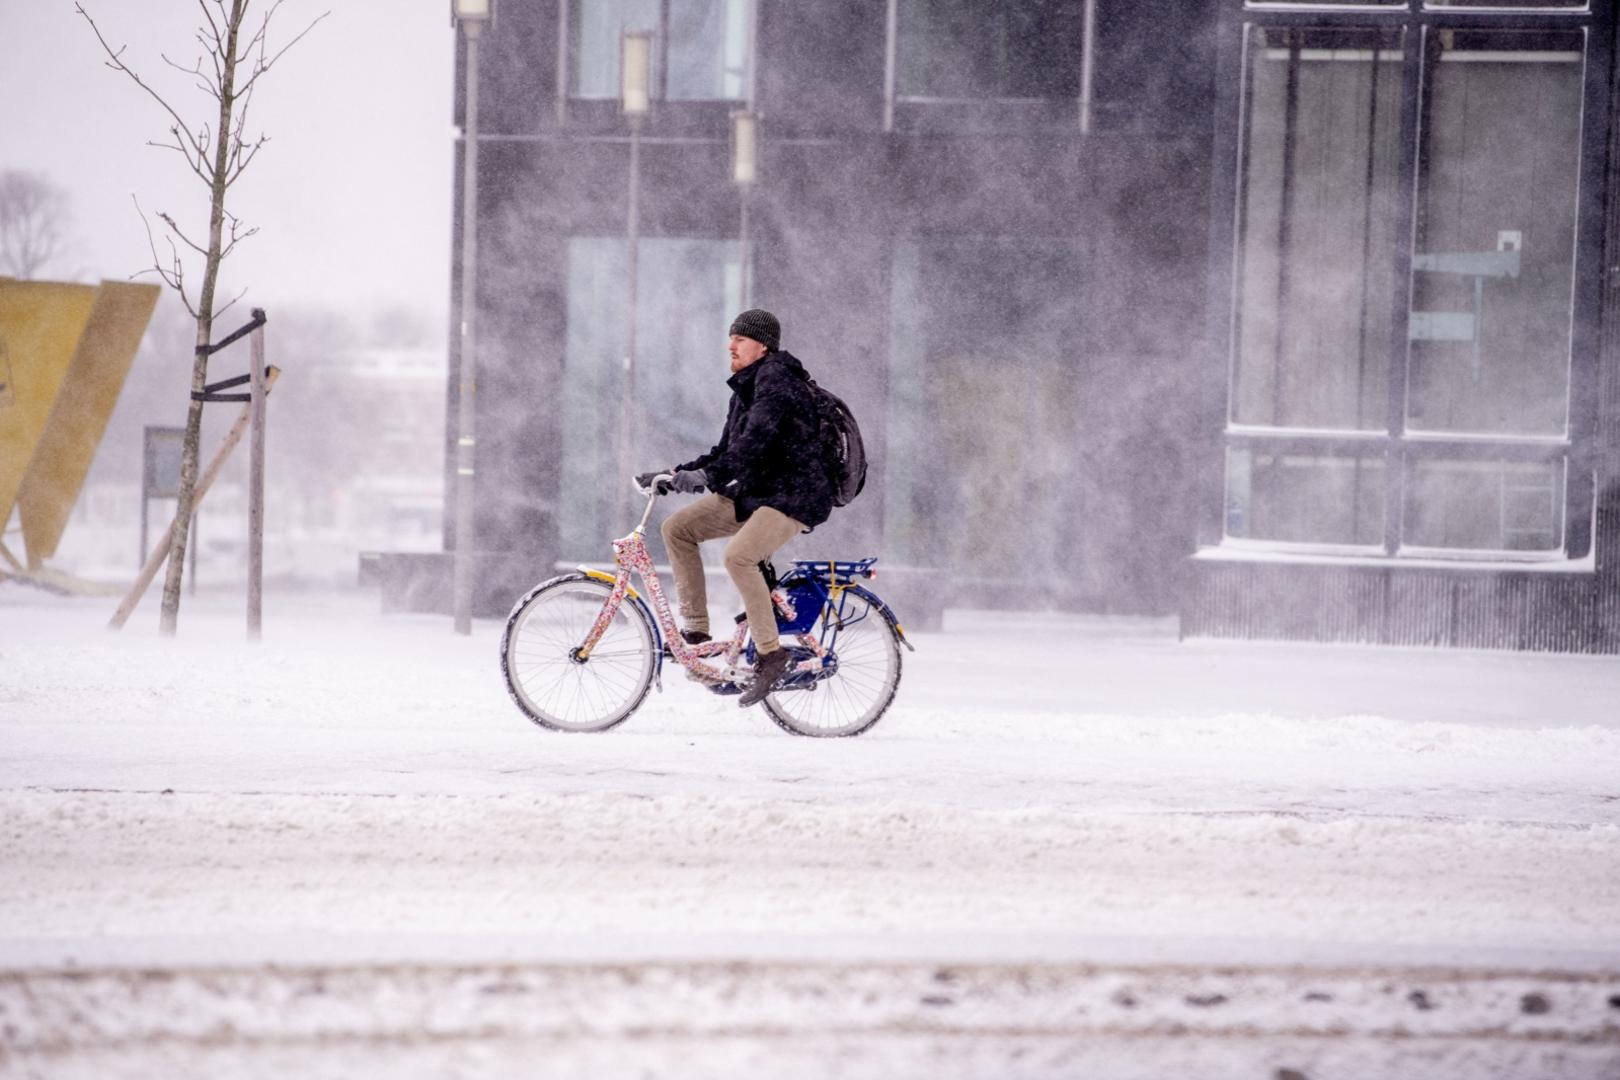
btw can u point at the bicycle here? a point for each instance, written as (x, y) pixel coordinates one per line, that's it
(577, 658)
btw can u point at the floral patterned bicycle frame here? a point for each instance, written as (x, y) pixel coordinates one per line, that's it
(631, 555)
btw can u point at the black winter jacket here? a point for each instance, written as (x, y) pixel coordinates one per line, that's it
(768, 454)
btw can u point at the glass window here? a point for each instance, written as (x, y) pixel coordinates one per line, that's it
(1305, 498)
(686, 292)
(1485, 505)
(1322, 205)
(701, 52)
(970, 50)
(984, 334)
(1494, 265)
(1317, 228)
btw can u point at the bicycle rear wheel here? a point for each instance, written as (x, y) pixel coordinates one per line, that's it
(538, 656)
(866, 648)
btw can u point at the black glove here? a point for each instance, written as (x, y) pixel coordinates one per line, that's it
(687, 482)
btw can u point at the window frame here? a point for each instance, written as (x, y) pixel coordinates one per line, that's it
(568, 100)
(1577, 448)
(923, 113)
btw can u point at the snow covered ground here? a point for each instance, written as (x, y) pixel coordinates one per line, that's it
(1074, 847)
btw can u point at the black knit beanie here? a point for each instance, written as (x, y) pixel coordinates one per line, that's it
(759, 324)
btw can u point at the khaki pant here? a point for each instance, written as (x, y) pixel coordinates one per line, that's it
(752, 542)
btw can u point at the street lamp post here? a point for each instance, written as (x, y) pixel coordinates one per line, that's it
(744, 170)
(635, 93)
(470, 15)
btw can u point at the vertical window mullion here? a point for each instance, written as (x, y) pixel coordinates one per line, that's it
(1285, 223)
(891, 60)
(1224, 272)
(1586, 345)
(1240, 226)
(661, 51)
(564, 32)
(1369, 182)
(1414, 71)
(1088, 63)
(751, 62)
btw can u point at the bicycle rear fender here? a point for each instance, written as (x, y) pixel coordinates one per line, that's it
(885, 611)
(823, 576)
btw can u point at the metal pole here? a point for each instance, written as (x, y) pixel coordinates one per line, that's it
(255, 590)
(1088, 64)
(891, 62)
(744, 171)
(633, 231)
(563, 21)
(747, 291)
(462, 584)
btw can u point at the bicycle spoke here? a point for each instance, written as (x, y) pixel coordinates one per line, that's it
(867, 670)
(539, 655)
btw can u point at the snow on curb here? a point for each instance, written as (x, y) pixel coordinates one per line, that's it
(57, 1014)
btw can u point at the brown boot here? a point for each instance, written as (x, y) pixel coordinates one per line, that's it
(768, 671)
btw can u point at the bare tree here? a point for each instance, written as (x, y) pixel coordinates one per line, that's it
(33, 219)
(218, 149)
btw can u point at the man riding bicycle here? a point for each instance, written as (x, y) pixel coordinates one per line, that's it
(766, 485)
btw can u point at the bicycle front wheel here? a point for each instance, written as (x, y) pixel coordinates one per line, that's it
(539, 656)
(866, 649)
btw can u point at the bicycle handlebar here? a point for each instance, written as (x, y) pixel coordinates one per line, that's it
(652, 488)
(652, 493)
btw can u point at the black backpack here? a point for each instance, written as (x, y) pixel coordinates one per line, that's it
(842, 452)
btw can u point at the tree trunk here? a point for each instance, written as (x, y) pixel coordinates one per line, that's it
(191, 448)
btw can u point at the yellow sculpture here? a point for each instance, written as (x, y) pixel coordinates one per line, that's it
(65, 351)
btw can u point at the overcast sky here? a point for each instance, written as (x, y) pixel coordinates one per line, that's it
(352, 195)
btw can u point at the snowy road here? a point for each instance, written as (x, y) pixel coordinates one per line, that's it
(1068, 841)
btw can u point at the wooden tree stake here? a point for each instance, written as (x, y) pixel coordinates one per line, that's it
(161, 551)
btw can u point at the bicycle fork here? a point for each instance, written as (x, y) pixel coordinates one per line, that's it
(621, 584)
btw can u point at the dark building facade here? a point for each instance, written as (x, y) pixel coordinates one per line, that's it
(1292, 319)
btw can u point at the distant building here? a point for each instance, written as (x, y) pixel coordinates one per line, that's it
(376, 480)
(1290, 318)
